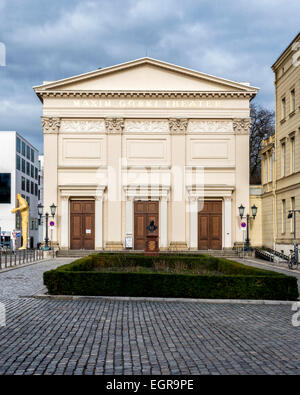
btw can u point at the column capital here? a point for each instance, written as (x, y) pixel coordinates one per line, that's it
(227, 198)
(51, 125)
(114, 125)
(178, 126)
(193, 199)
(241, 125)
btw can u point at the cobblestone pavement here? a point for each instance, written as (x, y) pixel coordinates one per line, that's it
(44, 336)
(27, 280)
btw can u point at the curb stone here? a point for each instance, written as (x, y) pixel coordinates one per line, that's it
(169, 300)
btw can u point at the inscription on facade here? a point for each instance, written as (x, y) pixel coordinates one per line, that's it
(127, 103)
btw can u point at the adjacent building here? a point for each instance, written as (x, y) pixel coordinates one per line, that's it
(146, 141)
(280, 155)
(18, 174)
(41, 196)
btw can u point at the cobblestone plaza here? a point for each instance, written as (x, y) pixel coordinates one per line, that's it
(50, 336)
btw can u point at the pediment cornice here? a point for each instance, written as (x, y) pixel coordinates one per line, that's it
(145, 95)
(221, 84)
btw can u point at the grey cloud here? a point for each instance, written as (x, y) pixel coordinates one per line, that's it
(53, 40)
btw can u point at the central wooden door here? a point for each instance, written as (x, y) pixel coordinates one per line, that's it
(144, 212)
(82, 224)
(210, 226)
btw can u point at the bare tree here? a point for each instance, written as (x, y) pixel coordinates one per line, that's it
(263, 126)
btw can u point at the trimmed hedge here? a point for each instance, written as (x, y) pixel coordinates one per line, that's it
(237, 281)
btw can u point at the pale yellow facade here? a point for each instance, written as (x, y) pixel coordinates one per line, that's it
(146, 130)
(280, 155)
(255, 226)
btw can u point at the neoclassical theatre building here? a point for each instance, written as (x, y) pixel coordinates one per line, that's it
(146, 141)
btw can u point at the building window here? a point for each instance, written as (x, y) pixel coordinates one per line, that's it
(5, 188)
(266, 169)
(32, 188)
(36, 189)
(18, 159)
(18, 220)
(292, 154)
(28, 152)
(28, 168)
(283, 219)
(23, 165)
(282, 159)
(283, 108)
(271, 166)
(39, 194)
(23, 186)
(292, 219)
(39, 165)
(32, 155)
(292, 101)
(36, 173)
(32, 171)
(23, 148)
(27, 186)
(18, 145)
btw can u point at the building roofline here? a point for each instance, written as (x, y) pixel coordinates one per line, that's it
(281, 56)
(146, 60)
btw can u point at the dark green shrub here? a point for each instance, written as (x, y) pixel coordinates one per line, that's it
(235, 281)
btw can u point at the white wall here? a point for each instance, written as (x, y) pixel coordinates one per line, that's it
(8, 165)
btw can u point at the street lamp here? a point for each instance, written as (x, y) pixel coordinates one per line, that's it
(241, 213)
(292, 214)
(40, 212)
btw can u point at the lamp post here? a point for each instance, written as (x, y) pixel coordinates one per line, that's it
(40, 212)
(241, 213)
(292, 214)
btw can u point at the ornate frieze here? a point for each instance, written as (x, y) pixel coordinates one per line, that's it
(147, 126)
(178, 126)
(242, 125)
(51, 125)
(83, 126)
(143, 95)
(196, 126)
(114, 125)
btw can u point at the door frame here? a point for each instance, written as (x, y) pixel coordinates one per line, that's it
(80, 198)
(216, 199)
(144, 199)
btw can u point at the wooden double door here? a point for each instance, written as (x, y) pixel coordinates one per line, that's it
(210, 226)
(144, 213)
(82, 224)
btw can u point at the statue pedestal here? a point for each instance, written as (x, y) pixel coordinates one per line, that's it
(152, 245)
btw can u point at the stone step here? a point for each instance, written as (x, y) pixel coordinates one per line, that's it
(82, 253)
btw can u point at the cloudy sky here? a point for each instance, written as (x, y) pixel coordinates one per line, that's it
(50, 40)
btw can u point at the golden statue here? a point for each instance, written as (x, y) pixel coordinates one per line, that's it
(23, 208)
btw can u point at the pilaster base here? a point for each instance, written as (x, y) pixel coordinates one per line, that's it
(178, 246)
(239, 245)
(113, 246)
(163, 248)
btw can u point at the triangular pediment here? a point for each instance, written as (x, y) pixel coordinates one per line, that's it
(145, 74)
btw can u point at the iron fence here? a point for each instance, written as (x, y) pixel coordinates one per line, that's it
(10, 258)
